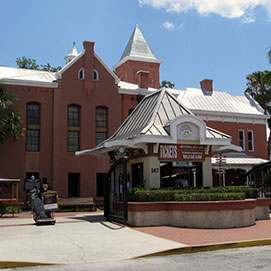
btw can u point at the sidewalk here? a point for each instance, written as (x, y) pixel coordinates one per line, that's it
(88, 238)
(75, 238)
(192, 237)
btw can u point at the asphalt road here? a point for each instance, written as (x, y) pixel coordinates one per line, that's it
(247, 259)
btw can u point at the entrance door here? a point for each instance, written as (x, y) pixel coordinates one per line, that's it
(74, 185)
(137, 175)
(115, 197)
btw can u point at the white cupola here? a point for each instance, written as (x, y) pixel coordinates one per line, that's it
(72, 54)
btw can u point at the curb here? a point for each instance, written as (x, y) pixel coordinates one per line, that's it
(12, 264)
(209, 247)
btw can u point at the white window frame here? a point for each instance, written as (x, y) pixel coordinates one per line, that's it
(97, 75)
(252, 139)
(83, 73)
(244, 139)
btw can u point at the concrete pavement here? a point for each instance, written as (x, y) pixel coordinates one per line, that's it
(83, 238)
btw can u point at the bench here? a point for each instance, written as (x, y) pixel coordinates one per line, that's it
(87, 201)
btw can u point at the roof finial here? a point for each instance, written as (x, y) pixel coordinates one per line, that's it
(72, 54)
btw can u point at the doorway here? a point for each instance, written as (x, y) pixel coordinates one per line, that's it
(73, 185)
(137, 175)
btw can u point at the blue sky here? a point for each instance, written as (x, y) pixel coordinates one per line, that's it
(223, 40)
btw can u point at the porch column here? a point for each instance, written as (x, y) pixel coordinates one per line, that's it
(207, 172)
(151, 172)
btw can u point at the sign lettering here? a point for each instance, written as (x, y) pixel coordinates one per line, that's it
(168, 152)
(182, 152)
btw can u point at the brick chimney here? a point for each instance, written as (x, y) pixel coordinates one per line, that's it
(143, 79)
(207, 86)
(88, 66)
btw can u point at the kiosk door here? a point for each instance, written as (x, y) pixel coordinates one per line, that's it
(115, 196)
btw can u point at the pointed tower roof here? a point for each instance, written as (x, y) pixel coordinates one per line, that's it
(137, 49)
(72, 54)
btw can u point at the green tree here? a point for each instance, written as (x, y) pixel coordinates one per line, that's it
(10, 119)
(167, 84)
(259, 87)
(28, 63)
(49, 68)
(269, 55)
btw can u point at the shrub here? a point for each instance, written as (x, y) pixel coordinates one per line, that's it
(209, 196)
(141, 194)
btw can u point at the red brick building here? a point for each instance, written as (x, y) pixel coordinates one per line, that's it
(85, 102)
(63, 112)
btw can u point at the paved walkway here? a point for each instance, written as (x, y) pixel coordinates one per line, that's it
(75, 238)
(262, 230)
(88, 238)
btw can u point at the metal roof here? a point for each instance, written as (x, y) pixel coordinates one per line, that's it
(219, 101)
(151, 117)
(137, 49)
(137, 46)
(153, 113)
(238, 159)
(27, 74)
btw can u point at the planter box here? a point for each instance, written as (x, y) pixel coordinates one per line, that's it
(204, 214)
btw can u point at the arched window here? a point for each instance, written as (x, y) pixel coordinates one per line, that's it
(101, 124)
(33, 126)
(73, 135)
(95, 75)
(81, 74)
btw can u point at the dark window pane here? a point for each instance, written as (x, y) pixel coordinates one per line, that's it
(95, 75)
(73, 115)
(101, 117)
(81, 74)
(33, 114)
(73, 141)
(32, 140)
(100, 137)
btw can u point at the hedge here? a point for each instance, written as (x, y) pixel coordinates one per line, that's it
(209, 196)
(192, 194)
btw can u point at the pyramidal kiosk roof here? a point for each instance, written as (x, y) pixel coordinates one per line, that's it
(161, 118)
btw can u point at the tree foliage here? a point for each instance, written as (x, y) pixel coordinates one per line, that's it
(259, 87)
(269, 55)
(10, 119)
(167, 84)
(28, 63)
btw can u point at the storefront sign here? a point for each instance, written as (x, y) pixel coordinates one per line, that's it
(181, 152)
(182, 164)
(192, 153)
(168, 152)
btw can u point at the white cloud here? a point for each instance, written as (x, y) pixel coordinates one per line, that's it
(243, 9)
(168, 25)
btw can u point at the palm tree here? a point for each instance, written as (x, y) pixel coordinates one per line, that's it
(259, 87)
(10, 119)
(269, 55)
